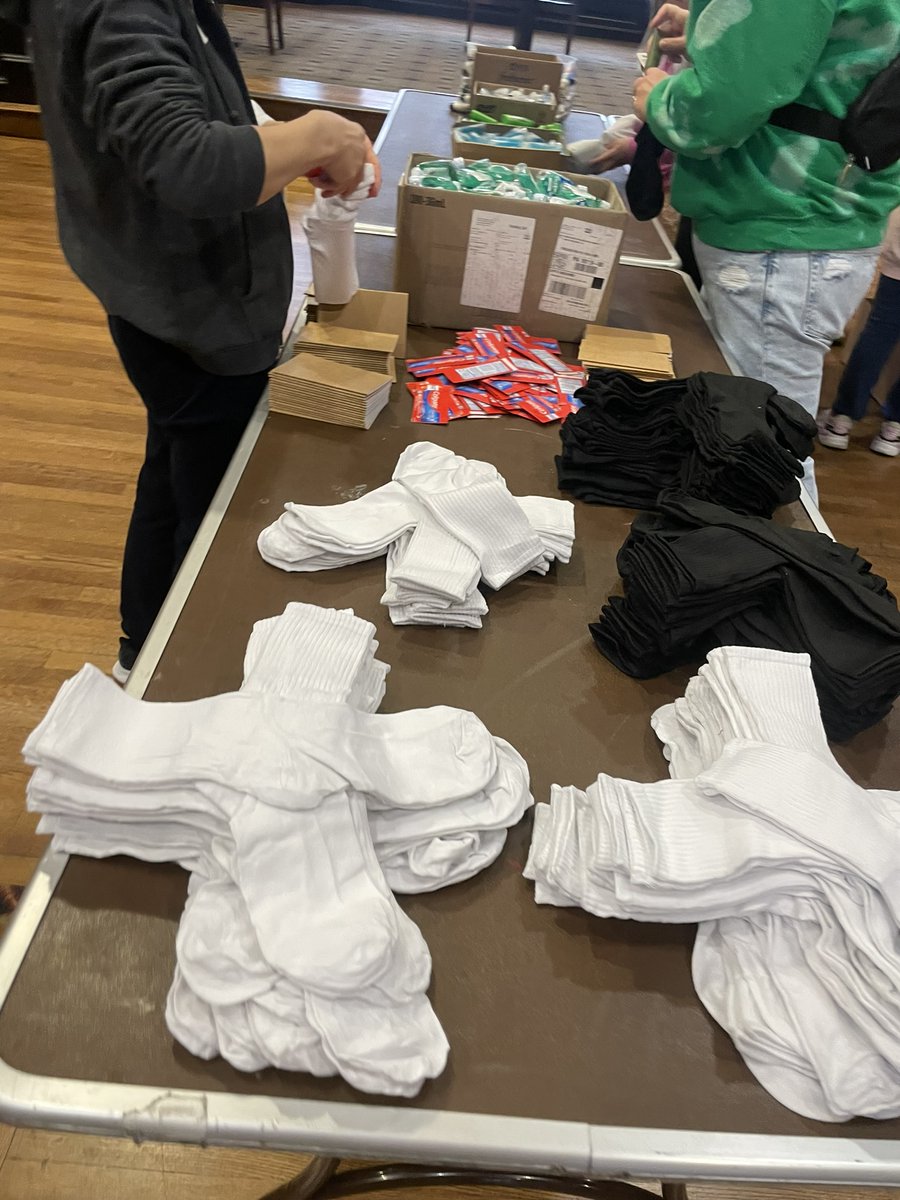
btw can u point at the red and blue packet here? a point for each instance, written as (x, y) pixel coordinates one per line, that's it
(494, 371)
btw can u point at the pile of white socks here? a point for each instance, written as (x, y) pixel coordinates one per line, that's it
(790, 868)
(298, 811)
(445, 523)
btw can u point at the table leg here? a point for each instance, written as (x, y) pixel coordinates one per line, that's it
(524, 30)
(270, 25)
(308, 1183)
(318, 1181)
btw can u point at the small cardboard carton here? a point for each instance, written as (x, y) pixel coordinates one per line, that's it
(549, 159)
(467, 259)
(503, 67)
(499, 67)
(377, 312)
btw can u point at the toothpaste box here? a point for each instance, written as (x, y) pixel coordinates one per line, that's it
(549, 159)
(499, 66)
(470, 260)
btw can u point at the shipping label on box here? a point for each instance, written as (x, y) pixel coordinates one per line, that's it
(496, 237)
(581, 268)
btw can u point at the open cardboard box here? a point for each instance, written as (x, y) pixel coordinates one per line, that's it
(501, 67)
(467, 259)
(376, 312)
(549, 160)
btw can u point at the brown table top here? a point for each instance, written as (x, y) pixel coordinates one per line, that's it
(421, 122)
(551, 1013)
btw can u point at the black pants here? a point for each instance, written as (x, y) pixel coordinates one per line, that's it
(684, 248)
(194, 423)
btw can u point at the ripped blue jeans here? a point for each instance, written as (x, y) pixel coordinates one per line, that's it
(777, 313)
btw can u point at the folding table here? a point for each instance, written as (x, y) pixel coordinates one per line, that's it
(578, 1048)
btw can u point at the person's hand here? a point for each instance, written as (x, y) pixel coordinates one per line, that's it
(671, 21)
(643, 86)
(372, 158)
(617, 154)
(344, 151)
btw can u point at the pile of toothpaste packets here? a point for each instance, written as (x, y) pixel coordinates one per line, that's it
(491, 372)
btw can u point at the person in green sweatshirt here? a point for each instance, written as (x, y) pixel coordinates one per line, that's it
(786, 233)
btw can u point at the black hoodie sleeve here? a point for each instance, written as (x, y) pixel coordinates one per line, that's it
(144, 102)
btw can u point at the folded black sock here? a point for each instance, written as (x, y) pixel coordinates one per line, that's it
(644, 188)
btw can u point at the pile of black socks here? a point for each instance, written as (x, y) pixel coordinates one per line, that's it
(698, 576)
(732, 441)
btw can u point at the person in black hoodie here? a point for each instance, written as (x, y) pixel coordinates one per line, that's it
(169, 205)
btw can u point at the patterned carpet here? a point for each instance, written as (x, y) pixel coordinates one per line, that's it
(388, 51)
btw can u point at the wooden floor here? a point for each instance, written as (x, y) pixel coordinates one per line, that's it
(70, 447)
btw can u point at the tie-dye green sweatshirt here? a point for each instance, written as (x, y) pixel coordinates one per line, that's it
(747, 184)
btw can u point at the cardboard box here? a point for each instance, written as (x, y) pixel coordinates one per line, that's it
(500, 67)
(377, 312)
(550, 160)
(469, 260)
(497, 106)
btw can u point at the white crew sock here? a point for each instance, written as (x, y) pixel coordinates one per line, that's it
(553, 521)
(321, 921)
(311, 651)
(190, 1020)
(427, 865)
(282, 1029)
(314, 538)
(217, 948)
(390, 1051)
(792, 790)
(763, 695)
(434, 562)
(237, 1041)
(285, 753)
(501, 804)
(414, 606)
(471, 500)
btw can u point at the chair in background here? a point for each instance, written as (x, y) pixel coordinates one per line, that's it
(566, 9)
(274, 22)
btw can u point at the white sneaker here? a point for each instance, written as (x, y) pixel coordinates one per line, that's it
(461, 106)
(119, 673)
(834, 431)
(887, 440)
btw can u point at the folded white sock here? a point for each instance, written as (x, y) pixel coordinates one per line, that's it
(283, 752)
(435, 563)
(390, 1051)
(471, 500)
(310, 651)
(307, 537)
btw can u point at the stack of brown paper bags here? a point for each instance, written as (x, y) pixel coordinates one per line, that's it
(359, 348)
(646, 355)
(379, 312)
(321, 390)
